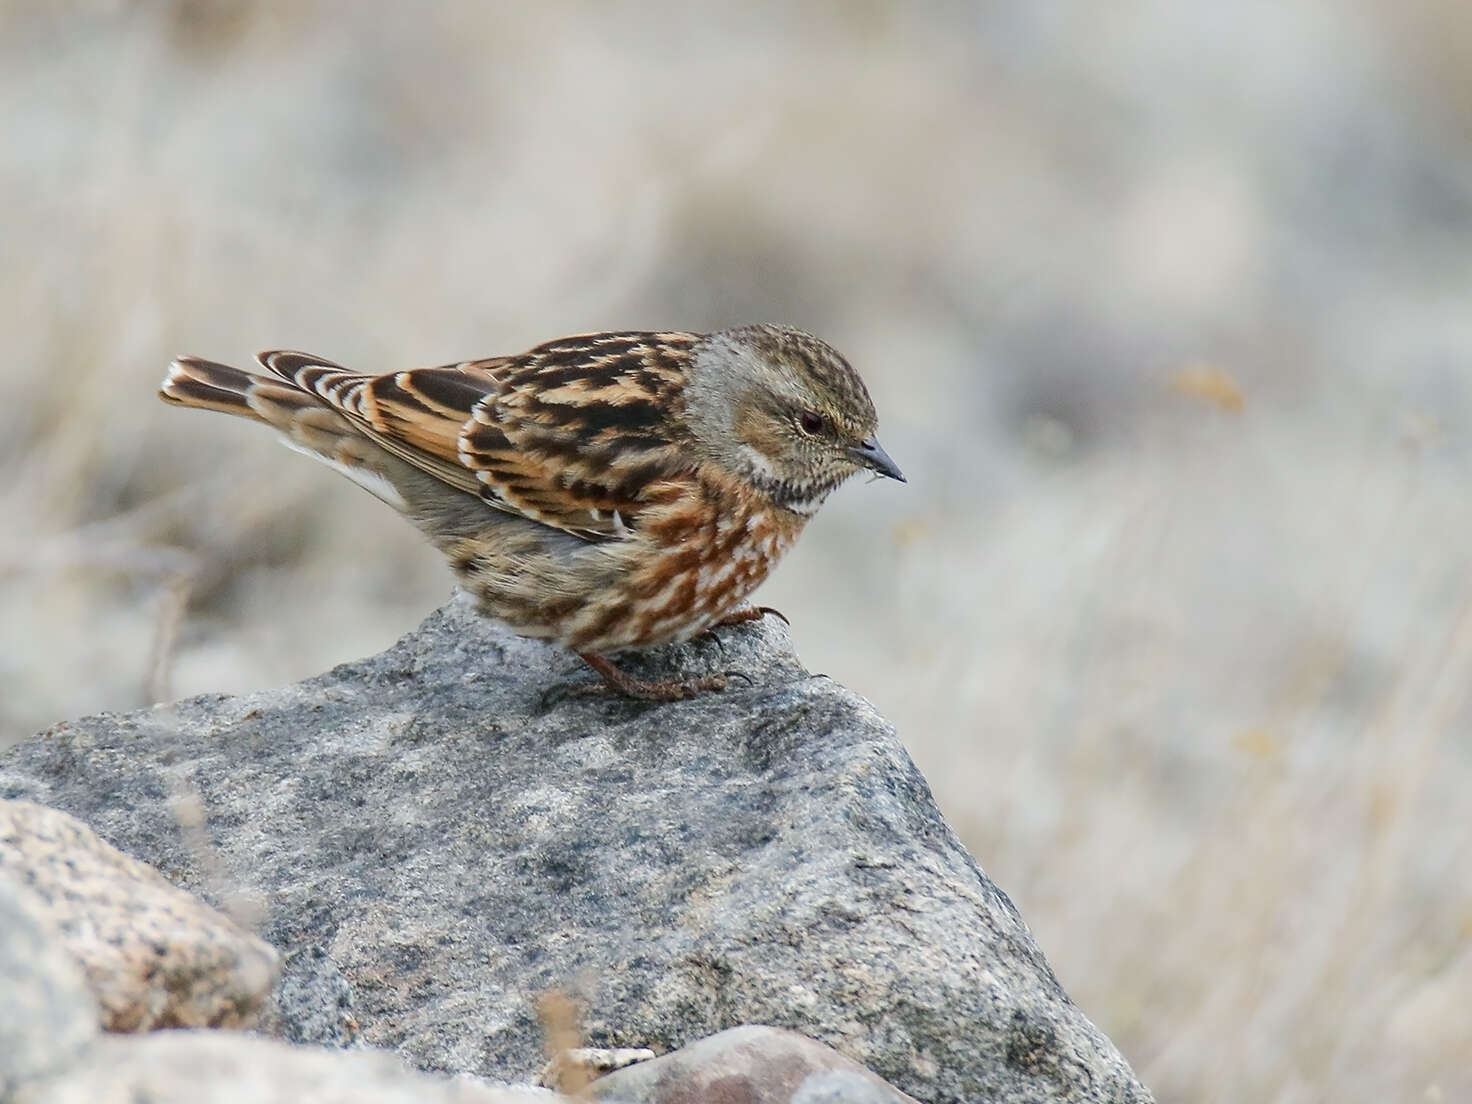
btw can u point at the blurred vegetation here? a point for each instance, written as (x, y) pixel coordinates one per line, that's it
(1165, 309)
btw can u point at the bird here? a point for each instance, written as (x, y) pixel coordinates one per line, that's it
(605, 491)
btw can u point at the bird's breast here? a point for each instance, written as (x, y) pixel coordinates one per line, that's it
(692, 560)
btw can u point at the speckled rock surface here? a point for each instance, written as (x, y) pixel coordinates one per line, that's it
(153, 955)
(313, 1002)
(48, 1018)
(753, 1064)
(222, 1067)
(460, 837)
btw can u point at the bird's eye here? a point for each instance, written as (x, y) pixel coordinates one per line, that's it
(811, 421)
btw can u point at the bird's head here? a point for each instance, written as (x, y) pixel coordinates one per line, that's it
(785, 411)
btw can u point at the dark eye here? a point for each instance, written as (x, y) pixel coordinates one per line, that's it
(811, 421)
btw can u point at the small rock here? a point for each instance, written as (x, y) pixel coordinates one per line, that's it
(48, 1019)
(845, 1087)
(153, 955)
(752, 1064)
(220, 1067)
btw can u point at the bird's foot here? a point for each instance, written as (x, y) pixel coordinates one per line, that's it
(651, 690)
(751, 613)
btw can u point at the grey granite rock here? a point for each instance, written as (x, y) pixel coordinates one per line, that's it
(755, 1065)
(153, 955)
(227, 1067)
(48, 1018)
(313, 1003)
(461, 837)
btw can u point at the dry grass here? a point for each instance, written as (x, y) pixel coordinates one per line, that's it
(1166, 315)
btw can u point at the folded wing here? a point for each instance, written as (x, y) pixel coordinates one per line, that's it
(582, 433)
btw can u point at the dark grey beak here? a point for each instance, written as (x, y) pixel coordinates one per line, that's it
(868, 453)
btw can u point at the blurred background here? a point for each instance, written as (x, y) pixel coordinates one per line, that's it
(1165, 307)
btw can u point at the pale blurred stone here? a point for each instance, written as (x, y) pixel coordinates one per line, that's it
(217, 1067)
(47, 1017)
(153, 955)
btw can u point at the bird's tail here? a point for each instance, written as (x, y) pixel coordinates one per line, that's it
(304, 420)
(208, 385)
(300, 415)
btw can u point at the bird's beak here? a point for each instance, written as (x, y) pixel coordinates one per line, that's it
(868, 453)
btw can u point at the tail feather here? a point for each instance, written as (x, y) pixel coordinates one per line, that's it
(210, 386)
(304, 420)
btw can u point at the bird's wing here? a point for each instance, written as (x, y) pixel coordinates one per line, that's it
(576, 433)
